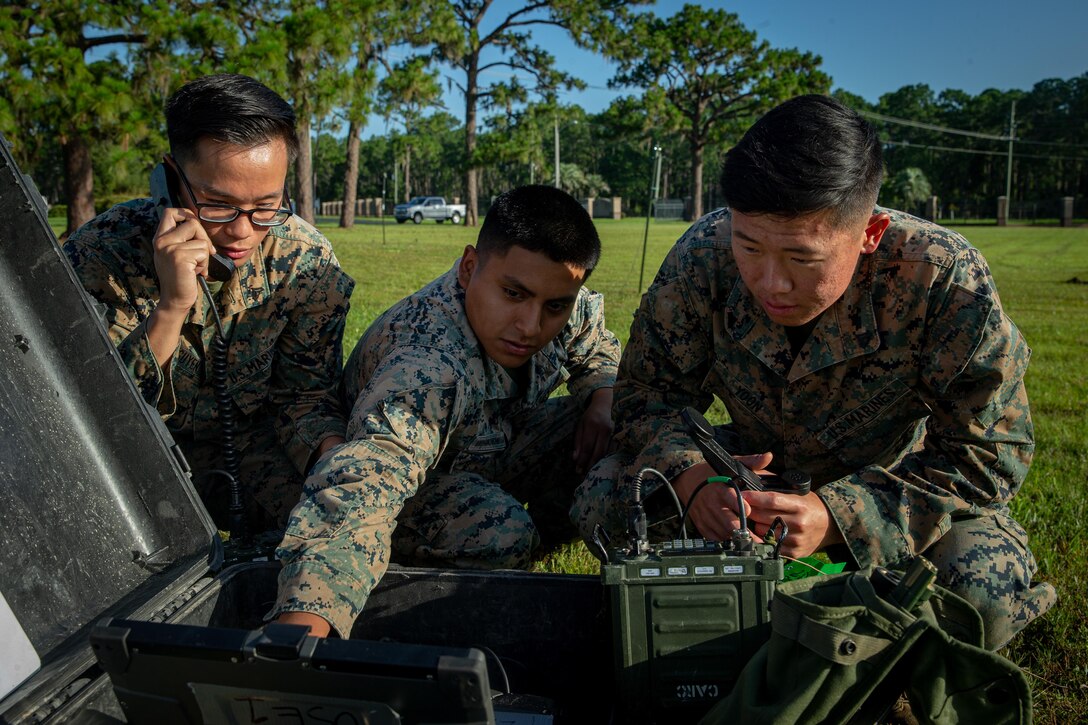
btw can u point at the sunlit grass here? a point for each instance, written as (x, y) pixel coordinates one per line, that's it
(1035, 269)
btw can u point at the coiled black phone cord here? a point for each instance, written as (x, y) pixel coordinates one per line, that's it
(236, 512)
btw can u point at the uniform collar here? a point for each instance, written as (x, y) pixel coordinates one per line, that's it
(541, 369)
(247, 287)
(845, 330)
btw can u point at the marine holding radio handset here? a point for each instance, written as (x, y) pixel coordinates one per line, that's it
(182, 244)
(186, 254)
(221, 190)
(740, 470)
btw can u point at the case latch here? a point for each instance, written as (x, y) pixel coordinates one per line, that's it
(278, 642)
(110, 646)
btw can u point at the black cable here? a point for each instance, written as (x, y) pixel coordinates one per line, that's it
(236, 512)
(704, 484)
(498, 663)
(672, 493)
(212, 473)
(740, 504)
(778, 538)
(694, 495)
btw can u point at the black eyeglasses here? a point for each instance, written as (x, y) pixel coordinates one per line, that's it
(224, 213)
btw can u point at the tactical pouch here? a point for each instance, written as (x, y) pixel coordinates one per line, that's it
(842, 652)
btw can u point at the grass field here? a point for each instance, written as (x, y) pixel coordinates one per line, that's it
(1035, 268)
(1043, 278)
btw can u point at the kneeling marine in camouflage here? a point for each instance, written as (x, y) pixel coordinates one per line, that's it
(453, 440)
(863, 346)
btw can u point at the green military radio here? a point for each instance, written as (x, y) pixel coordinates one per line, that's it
(688, 613)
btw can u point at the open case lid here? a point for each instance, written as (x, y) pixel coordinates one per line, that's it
(97, 516)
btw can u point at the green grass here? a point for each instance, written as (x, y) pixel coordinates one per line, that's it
(1034, 269)
(412, 255)
(1032, 266)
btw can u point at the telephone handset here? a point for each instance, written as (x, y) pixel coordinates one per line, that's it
(164, 192)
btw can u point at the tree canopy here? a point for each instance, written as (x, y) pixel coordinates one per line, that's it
(704, 71)
(83, 82)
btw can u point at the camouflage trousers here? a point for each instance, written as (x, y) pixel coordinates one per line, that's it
(271, 485)
(984, 559)
(499, 507)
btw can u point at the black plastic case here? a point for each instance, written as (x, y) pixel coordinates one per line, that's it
(98, 519)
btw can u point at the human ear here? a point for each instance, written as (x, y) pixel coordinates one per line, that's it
(467, 266)
(874, 231)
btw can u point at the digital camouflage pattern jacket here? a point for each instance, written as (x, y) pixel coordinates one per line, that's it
(424, 397)
(906, 404)
(283, 311)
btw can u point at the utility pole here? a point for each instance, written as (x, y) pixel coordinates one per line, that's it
(381, 211)
(655, 177)
(557, 151)
(313, 177)
(1008, 169)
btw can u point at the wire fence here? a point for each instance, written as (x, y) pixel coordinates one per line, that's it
(668, 209)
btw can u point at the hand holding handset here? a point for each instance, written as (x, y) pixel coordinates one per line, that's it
(164, 192)
(790, 481)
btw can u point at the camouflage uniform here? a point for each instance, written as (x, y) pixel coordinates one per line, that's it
(445, 437)
(283, 312)
(906, 404)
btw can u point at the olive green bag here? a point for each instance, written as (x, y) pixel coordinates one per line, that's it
(842, 651)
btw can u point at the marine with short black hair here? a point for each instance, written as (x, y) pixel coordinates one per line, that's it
(457, 455)
(860, 344)
(283, 308)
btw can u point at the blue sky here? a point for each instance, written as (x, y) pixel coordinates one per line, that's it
(868, 48)
(871, 48)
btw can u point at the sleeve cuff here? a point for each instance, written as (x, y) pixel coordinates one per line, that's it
(867, 531)
(315, 587)
(582, 387)
(154, 385)
(304, 440)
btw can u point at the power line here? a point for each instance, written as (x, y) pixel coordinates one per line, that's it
(974, 134)
(1053, 143)
(1053, 158)
(930, 147)
(932, 127)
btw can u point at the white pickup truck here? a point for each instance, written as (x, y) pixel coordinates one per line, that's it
(428, 207)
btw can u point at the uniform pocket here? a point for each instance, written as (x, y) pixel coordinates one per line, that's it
(481, 451)
(1012, 529)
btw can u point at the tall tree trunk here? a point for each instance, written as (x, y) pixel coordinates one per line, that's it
(304, 167)
(696, 179)
(351, 177)
(471, 94)
(407, 173)
(78, 182)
